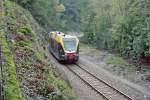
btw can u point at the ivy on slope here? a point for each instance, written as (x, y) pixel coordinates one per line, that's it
(11, 84)
(35, 74)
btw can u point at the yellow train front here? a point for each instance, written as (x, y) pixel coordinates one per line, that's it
(64, 47)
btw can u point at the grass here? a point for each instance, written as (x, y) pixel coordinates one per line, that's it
(61, 86)
(12, 87)
(119, 62)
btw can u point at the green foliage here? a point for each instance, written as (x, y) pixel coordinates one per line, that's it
(116, 61)
(55, 14)
(119, 25)
(12, 87)
(62, 89)
(56, 96)
(26, 30)
(113, 24)
(120, 63)
(22, 30)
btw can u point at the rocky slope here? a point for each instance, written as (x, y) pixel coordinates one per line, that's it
(27, 71)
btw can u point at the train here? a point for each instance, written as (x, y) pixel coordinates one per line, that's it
(64, 47)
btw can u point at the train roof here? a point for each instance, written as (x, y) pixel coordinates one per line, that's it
(63, 35)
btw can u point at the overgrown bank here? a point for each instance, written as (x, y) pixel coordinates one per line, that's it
(122, 26)
(28, 74)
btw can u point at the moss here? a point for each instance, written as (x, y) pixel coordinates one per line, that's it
(11, 87)
(116, 61)
(120, 63)
(65, 90)
(56, 96)
(22, 43)
(26, 30)
(61, 86)
(21, 24)
(8, 4)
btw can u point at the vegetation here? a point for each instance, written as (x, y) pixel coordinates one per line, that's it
(28, 74)
(119, 63)
(117, 25)
(55, 14)
(11, 86)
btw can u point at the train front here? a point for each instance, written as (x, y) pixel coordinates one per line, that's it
(71, 48)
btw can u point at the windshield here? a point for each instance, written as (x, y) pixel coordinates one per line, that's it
(69, 44)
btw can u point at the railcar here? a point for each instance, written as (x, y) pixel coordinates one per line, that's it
(64, 47)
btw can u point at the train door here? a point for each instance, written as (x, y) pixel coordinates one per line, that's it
(60, 50)
(56, 48)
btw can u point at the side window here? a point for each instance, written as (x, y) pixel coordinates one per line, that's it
(60, 49)
(50, 35)
(78, 48)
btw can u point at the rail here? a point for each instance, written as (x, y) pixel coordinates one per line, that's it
(97, 84)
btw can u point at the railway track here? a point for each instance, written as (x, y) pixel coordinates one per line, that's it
(102, 88)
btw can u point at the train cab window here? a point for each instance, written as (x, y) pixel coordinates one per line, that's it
(69, 44)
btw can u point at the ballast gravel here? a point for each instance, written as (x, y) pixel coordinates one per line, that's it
(83, 91)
